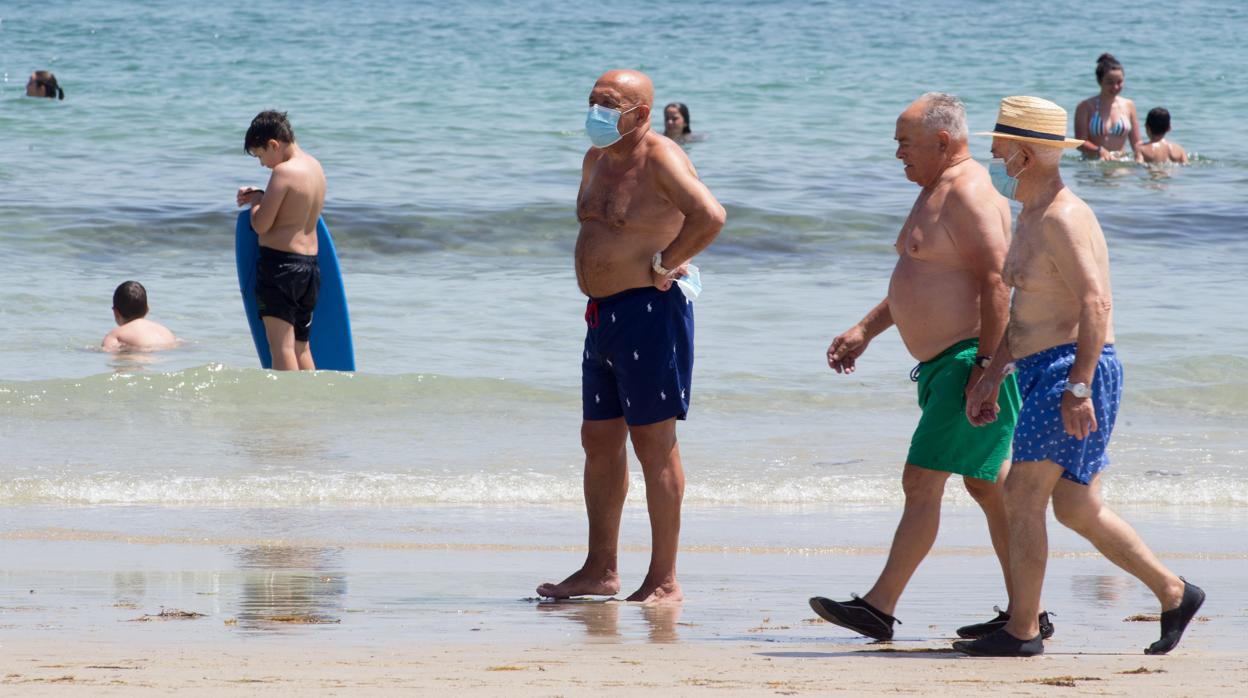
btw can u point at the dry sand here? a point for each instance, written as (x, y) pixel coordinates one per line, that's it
(582, 669)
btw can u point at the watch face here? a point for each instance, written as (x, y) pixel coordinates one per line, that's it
(1079, 390)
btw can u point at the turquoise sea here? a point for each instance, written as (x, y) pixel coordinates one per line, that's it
(452, 135)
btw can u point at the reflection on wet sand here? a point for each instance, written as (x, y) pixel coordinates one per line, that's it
(129, 589)
(662, 619)
(1099, 589)
(602, 618)
(286, 584)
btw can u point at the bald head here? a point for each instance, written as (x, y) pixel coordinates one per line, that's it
(629, 87)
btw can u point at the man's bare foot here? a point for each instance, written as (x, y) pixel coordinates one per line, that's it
(657, 593)
(582, 583)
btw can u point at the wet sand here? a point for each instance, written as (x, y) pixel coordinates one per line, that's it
(81, 611)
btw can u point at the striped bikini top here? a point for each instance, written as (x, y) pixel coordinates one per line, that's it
(1099, 127)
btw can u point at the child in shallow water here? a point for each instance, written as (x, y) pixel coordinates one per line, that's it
(1158, 149)
(134, 331)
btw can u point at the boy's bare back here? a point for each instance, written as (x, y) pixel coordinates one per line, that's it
(1163, 151)
(291, 204)
(139, 334)
(284, 214)
(284, 217)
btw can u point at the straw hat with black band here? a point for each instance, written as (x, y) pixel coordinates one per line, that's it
(1032, 120)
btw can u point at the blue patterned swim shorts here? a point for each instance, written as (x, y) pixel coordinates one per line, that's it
(1040, 435)
(638, 358)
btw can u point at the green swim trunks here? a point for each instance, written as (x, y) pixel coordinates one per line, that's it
(944, 439)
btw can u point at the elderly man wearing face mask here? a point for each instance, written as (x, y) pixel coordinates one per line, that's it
(644, 214)
(1060, 339)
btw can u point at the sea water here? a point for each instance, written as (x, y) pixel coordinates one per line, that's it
(452, 137)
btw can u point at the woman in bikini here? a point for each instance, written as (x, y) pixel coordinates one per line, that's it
(1107, 122)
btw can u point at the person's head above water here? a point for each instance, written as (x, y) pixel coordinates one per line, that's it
(676, 121)
(268, 137)
(129, 302)
(1159, 149)
(1109, 74)
(931, 135)
(42, 83)
(619, 108)
(1157, 122)
(134, 331)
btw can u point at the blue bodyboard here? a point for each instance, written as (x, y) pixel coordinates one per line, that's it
(332, 347)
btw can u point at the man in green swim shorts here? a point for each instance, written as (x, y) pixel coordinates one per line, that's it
(947, 299)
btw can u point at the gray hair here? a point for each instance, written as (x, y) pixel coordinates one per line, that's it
(944, 112)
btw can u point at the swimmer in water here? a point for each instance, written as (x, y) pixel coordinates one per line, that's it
(42, 83)
(134, 331)
(1158, 150)
(1108, 121)
(676, 122)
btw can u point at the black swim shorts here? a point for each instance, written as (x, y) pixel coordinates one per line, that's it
(286, 288)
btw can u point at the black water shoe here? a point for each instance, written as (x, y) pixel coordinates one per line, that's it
(856, 615)
(979, 630)
(1174, 621)
(1001, 644)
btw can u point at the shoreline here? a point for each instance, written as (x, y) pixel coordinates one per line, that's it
(329, 597)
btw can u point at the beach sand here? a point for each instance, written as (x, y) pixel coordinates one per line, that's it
(544, 669)
(80, 614)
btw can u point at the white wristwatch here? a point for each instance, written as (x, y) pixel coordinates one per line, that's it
(656, 263)
(1079, 390)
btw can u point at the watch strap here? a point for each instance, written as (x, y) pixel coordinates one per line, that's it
(1079, 390)
(656, 263)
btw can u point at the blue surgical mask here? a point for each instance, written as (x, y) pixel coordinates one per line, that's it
(691, 283)
(602, 125)
(1001, 180)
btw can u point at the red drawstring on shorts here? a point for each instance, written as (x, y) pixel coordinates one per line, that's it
(591, 313)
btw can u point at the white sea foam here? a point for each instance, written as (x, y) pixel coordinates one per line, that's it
(528, 488)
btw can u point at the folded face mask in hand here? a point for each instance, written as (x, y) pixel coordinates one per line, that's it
(691, 283)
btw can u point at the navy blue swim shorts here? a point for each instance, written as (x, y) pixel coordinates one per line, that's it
(1040, 435)
(638, 358)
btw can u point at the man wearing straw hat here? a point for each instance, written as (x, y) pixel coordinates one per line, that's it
(1060, 340)
(949, 305)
